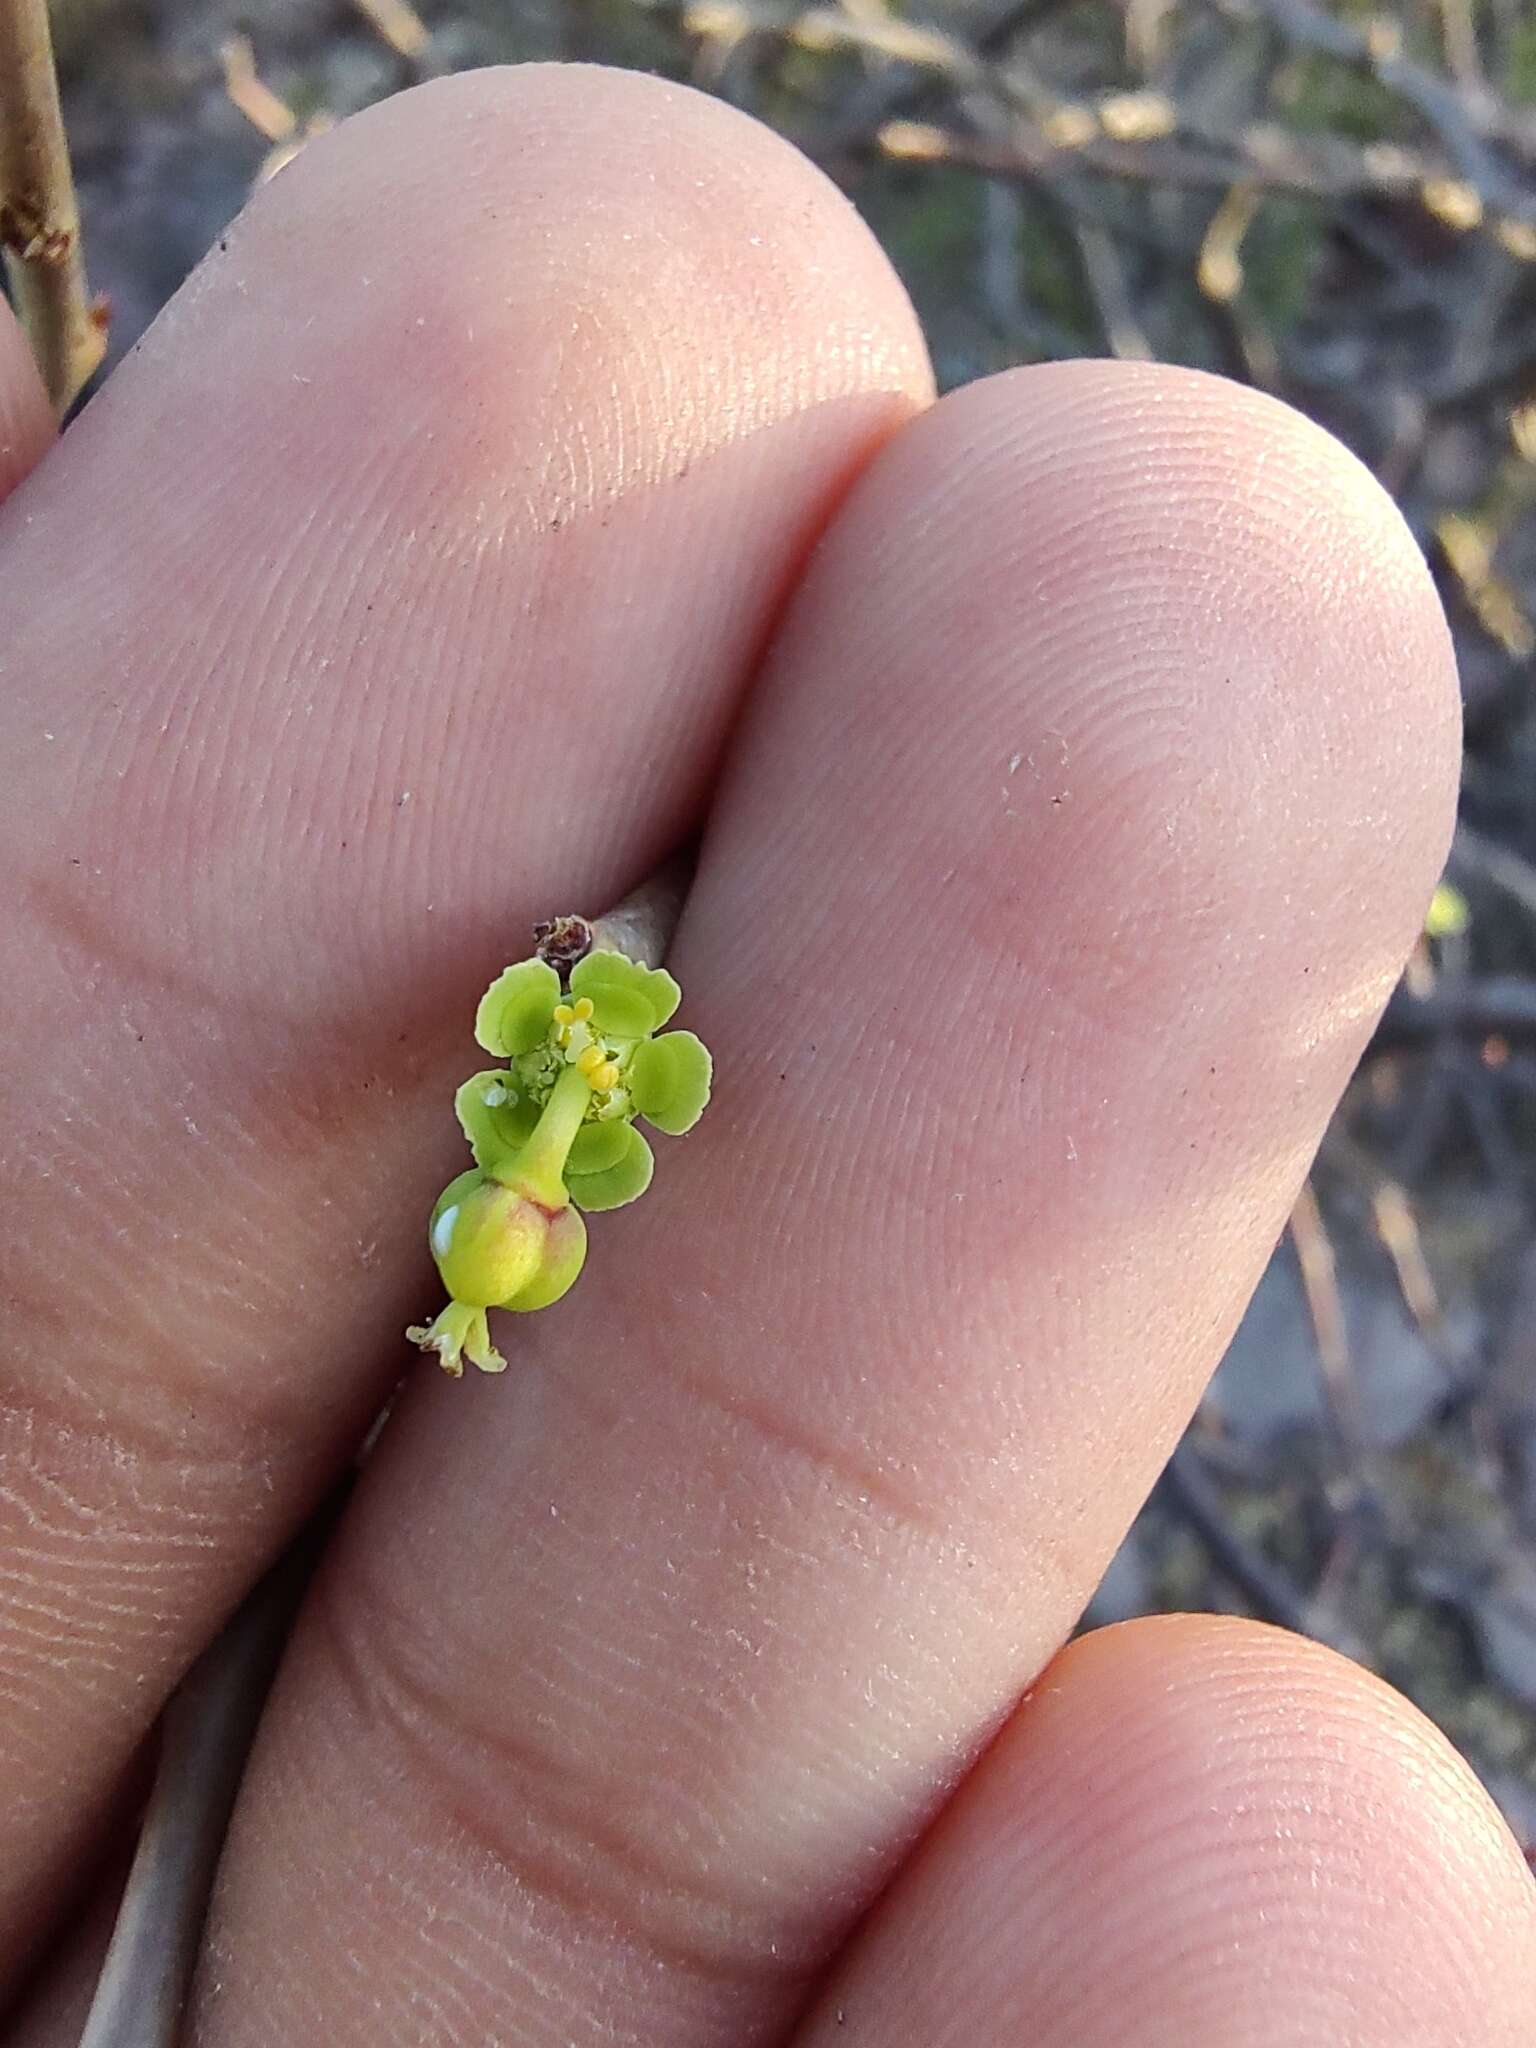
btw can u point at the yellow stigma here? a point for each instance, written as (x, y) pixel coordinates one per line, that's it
(589, 1061)
(602, 1077)
(564, 1014)
(583, 1009)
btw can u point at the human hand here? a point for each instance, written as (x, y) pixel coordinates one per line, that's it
(543, 467)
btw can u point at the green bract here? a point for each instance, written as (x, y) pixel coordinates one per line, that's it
(627, 998)
(554, 1128)
(669, 1081)
(496, 1119)
(514, 1012)
(610, 1164)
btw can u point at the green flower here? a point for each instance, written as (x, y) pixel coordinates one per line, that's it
(606, 1030)
(552, 1128)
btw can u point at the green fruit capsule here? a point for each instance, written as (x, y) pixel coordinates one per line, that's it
(496, 1247)
(487, 1239)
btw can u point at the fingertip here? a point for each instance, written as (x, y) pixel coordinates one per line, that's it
(1196, 1829)
(1218, 513)
(1295, 1812)
(419, 237)
(1338, 1770)
(1204, 767)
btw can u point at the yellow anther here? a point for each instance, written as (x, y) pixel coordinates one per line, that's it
(588, 1062)
(604, 1077)
(583, 1009)
(564, 1014)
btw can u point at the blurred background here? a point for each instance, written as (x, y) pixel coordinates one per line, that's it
(1334, 202)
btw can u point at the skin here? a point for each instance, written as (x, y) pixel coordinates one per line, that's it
(548, 467)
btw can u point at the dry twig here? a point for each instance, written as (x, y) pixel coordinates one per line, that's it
(1269, 1593)
(39, 220)
(205, 1734)
(1462, 122)
(398, 24)
(249, 93)
(1325, 1306)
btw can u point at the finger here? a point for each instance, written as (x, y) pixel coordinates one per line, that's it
(1198, 1833)
(1090, 799)
(55, 2002)
(26, 423)
(395, 593)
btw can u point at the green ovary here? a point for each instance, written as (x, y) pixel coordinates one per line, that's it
(488, 1241)
(496, 1248)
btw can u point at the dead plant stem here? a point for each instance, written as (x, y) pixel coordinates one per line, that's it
(39, 220)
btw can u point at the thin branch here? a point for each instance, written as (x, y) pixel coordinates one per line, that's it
(1325, 1307)
(1105, 276)
(902, 88)
(1462, 121)
(1473, 854)
(205, 1734)
(1398, 1229)
(250, 95)
(1497, 1006)
(1459, 39)
(1187, 158)
(643, 924)
(1144, 137)
(640, 927)
(39, 220)
(1268, 1592)
(399, 25)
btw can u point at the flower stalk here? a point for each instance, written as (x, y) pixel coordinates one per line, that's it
(539, 1167)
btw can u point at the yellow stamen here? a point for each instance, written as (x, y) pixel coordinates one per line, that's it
(583, 1009)
(604, 1077)
(589, 1061)
(564, 1014)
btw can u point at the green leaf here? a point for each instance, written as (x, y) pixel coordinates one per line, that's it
(628, 1000)
(515, 1010)
(669, 1081)
(495, 1124)
(622, 1180)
